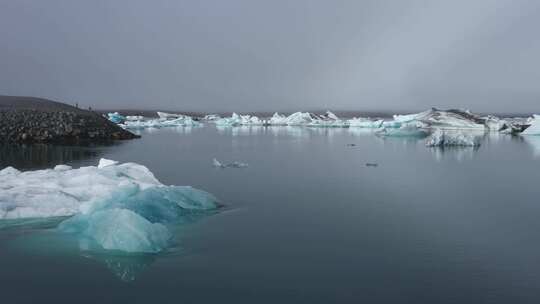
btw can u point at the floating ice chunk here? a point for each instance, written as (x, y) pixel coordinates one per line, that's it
(116, 117)
(119, 229)
(106, 162)
(216, 163)
(62, 168)
(441, 138)
(234, 164)
(534, 128)
(119, 206)
(9, 171)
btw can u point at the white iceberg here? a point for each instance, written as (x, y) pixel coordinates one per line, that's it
(365, 123)
(442, 138)
(97, 197)
(134, 118)
(165, 115)
(239, 120)
(182, 121)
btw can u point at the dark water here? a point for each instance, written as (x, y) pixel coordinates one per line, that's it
(306, 222)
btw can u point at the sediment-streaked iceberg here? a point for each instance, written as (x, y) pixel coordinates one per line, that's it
(534, 128)
(327, 120)
(442, 138)
(115, 206)
(434, 118)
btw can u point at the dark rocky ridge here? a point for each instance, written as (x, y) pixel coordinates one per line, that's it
(29, 119)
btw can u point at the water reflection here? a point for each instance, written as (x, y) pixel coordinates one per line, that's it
(534, 142)
(125, 267)
(38, 156)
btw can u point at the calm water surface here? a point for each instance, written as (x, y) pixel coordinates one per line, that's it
(306, 222)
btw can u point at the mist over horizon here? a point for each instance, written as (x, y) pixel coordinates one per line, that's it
(265, 56)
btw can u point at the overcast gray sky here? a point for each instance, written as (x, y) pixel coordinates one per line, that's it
(254, 55)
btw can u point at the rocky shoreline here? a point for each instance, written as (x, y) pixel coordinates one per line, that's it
(36, 120)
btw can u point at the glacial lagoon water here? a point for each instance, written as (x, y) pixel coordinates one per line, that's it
(306, 222)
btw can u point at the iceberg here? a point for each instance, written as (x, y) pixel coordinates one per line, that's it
(411, 129)
(211, 117)
(441, 138)
(328, 120)
(134, 118)
(434, 118)
(239, 120)
(534, 128)
(164, 115)
(365, 123)
(180, 121)
(115, 206)
(234, 164)
(116, 117)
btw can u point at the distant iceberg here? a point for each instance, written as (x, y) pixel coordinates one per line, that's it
(115, 206)
(239, 120)
(410, 129)
(534, 128)
(234, 164)
(442, 138)
(365, 123)
(165, 120)
(116, 117)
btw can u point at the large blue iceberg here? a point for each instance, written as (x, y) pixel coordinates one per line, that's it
(110, 206)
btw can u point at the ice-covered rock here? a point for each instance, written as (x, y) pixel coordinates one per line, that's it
(117, 206)
(534, 128)
(442, 138)
(116, 117)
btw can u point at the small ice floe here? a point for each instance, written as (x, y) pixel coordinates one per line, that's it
(235, 164)
(440, 138)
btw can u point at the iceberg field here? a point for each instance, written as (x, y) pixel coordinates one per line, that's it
(115, 206)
